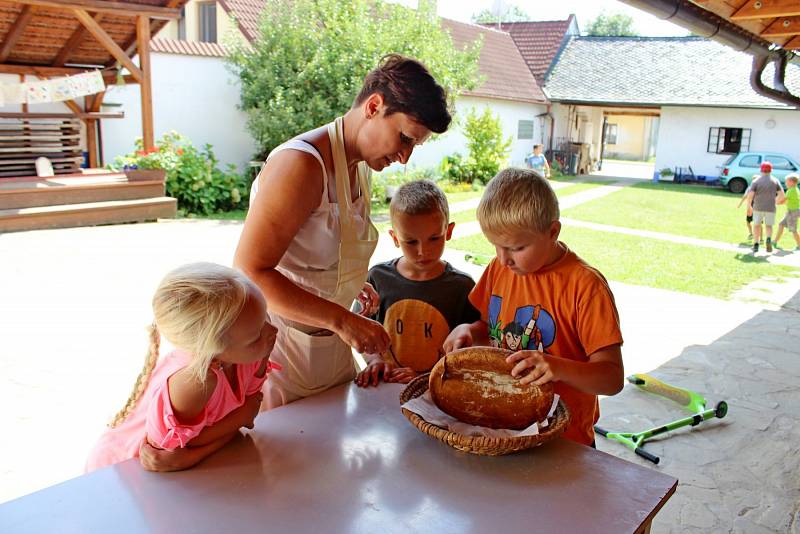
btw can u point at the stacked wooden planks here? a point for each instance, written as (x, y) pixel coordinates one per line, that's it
(22, 141)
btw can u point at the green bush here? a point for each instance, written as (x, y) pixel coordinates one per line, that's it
(192, 175)
(488, 151)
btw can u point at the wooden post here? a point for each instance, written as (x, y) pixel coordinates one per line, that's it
(146, 89)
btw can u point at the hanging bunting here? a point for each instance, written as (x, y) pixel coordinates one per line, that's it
(54, 90)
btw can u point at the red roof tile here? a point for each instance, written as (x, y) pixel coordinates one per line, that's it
(247, 14)
(505, 73)
(537, 41)
(187, 48)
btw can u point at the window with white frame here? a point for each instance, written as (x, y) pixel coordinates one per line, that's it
(724, 140)
(525, 129)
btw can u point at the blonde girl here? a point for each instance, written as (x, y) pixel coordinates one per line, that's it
(200, 395)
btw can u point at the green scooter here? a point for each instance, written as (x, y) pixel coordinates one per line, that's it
(689, 400)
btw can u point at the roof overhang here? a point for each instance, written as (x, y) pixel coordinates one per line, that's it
(769, 30)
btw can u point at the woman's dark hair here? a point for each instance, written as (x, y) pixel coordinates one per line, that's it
(407, 87)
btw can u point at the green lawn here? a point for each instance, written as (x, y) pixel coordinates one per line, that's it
(655, 263)
(685, 210)
(577, 188)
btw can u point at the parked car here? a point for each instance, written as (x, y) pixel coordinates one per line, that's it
(738, 171)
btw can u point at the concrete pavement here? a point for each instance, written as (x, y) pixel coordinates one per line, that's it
(76, 302)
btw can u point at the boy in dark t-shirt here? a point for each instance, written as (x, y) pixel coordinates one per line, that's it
(422, 297)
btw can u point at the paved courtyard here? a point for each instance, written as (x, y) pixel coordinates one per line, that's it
(76, 303)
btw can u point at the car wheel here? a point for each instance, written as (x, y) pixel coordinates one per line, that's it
(737, 185)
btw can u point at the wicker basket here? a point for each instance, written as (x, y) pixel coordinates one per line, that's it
(479, 444)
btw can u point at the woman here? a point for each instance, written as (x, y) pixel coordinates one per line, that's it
(307, 239)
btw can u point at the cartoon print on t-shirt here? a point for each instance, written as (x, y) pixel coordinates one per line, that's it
(417, 332)
(533, 328)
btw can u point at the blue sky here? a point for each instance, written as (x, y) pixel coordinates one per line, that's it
(585, 10)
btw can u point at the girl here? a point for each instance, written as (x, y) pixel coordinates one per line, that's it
(200, 395)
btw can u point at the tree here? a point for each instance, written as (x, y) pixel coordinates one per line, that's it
(501, 12)
(311, 56)
(612, 25)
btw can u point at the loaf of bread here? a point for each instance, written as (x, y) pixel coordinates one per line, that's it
(475, 386)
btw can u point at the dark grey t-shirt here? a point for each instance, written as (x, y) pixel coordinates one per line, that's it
(418, 315)
(764, 189)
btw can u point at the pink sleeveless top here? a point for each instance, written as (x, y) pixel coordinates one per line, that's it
(153, 415)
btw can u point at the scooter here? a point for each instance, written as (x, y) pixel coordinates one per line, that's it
(689, 400)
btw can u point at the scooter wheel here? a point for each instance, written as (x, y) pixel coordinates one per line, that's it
(721, 410)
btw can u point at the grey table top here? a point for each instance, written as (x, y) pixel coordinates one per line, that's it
(348, 461)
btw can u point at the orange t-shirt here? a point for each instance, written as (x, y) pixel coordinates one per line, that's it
(566, 310)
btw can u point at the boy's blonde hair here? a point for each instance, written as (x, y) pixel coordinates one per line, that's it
(794, 177)
(193, 307)
(420, 197)
(517, 200)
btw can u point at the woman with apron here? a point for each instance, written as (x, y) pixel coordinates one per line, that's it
(308, 238)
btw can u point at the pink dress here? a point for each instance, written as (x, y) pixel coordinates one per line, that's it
(153, 416)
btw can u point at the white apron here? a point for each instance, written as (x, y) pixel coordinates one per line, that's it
(315, 360)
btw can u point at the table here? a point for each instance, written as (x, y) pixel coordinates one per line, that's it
(347, 460)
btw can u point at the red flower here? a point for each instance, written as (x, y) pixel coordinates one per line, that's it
(141, 153)
(179, 152)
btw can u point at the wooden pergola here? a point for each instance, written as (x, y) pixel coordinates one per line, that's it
(52, 38)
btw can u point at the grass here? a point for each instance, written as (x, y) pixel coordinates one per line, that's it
(655, 263)
(684, 210)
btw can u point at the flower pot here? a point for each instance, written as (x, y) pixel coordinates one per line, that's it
(146, 175)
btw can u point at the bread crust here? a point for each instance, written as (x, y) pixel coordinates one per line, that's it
(475, 386)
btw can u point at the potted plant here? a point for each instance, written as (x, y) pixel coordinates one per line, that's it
(135, 174)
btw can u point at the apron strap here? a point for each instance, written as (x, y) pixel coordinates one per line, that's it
(344, 194)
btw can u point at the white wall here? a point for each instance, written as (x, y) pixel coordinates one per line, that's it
(196, 96)
(683, 135)
(431, 153)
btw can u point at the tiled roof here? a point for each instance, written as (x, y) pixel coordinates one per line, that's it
(187, 48)
(658, 71)
(537, 41)
(247, 14)
(506, 76)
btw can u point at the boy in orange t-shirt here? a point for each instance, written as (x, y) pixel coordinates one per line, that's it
(539, 299)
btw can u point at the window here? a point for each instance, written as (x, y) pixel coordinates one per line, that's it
(611, 134)
(525, 130)
(780, 164)
(208, 22)
(723, 140)
(750, 161)
(182, 25)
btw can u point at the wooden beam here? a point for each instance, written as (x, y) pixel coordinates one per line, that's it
(17, 27)
(130, 46)
(633, 113)
(125, 9)
(794, 44)
(145, 88)
(36, 70)
(767, 9)
(111, 79)
(783, 26)
(109, 44)
(73, 42)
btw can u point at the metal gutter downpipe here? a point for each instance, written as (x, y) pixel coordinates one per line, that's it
(711, 26)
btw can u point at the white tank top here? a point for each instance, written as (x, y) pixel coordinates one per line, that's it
(315, 247)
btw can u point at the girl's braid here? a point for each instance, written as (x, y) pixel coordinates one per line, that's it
(144, 376)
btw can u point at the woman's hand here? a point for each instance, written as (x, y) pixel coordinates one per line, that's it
(364, 335)
(369, 300)
(250, 409)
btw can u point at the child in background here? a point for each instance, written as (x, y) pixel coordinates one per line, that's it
(199, 396)
(422, 297)
(565, 322)
(748, 219)
(792, 201)
(538, 162)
